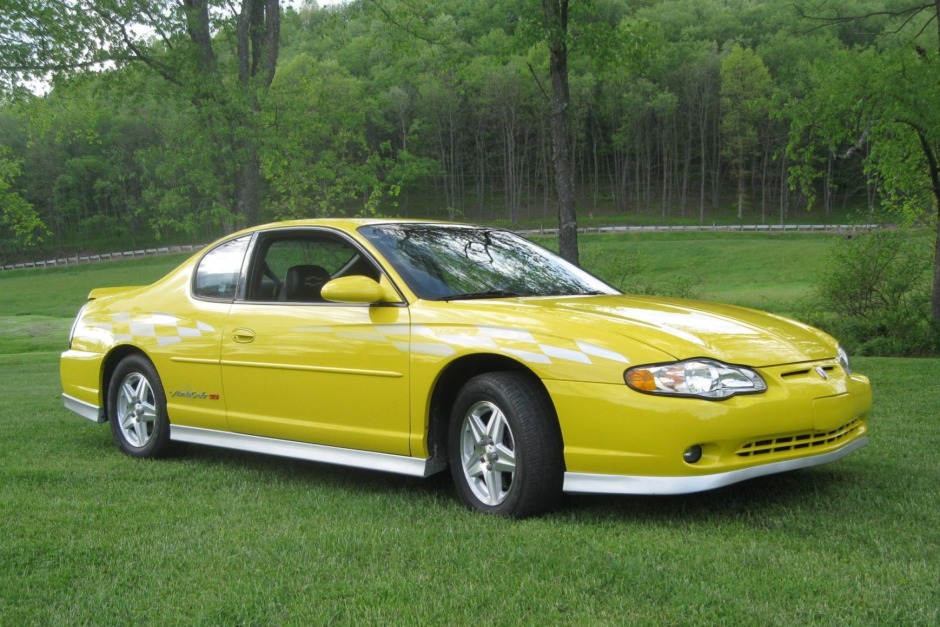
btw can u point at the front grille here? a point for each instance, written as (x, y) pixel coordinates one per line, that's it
(800, 373)
(788, 443)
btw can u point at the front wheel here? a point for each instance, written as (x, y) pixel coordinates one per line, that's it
(137, 409)
(504, 446)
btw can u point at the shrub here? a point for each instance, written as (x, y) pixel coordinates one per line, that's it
(875, 294)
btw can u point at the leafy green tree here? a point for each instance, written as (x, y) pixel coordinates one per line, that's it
(445, 105)
(745, 104)
(17, 217)
(316, 156)
(221, 61)
(871, 103)
(509, 105)
(40, 38)
(62, 157)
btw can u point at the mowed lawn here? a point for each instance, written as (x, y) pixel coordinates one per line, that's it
(88, 535)
(771, 271)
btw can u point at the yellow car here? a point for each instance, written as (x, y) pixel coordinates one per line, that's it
(411, 347)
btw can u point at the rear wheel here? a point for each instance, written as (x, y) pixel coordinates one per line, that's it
(504, 446)
(137, 409)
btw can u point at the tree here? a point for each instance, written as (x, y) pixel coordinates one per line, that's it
(745, 101)
(505, 92)
(39, 38)
(316, 157)
(870, 103)
(555, 26)
(467, 84)
(223, 63)
(17, 216)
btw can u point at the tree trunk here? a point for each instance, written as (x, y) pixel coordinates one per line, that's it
(258, 29)
(703, 151)
(556, 17)
(665, 194)
(933, 165)
(784, 188)
(248, 187)
(935, 294)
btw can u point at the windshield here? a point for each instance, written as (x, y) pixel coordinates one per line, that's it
(451, 262)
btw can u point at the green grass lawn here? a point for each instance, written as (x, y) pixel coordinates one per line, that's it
(764, 270)
(92, 536)
(61, 291)
(88, 535)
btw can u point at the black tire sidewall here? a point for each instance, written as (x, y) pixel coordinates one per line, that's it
(539, 471)
(158, 444)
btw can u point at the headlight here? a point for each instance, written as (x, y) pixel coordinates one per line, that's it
(843, 359)
(701, 378)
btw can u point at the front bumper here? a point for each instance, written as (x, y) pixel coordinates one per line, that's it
(588, 483)
(624, 442)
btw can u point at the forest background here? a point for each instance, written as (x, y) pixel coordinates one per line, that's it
(169, 121)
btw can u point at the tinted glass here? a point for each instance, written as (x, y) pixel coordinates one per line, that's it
(293, 266)
(447, 262)
(218, 272)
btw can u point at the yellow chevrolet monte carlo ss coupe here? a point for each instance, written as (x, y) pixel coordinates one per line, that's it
(411, 347)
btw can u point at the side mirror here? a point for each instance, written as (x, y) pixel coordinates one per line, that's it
(356, 289)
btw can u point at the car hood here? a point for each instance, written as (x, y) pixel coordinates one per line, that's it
(687, 329)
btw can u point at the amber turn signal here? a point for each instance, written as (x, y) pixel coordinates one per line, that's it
(642, 380)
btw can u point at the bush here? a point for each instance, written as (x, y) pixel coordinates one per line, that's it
(875, 294)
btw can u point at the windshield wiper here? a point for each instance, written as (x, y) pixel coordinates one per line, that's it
(484, 294)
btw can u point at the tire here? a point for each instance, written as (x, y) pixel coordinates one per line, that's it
(137, 409)
(504, 446)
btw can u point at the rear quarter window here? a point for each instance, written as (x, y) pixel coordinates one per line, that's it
(218, 271)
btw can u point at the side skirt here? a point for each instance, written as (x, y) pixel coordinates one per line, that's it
(83, 409)
(398, 464)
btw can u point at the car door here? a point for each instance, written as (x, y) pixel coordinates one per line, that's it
(297, 367)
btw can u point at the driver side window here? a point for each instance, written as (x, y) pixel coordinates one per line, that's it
(294, 267)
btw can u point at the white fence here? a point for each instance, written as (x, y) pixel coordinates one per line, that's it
(170, 250)
(85, 259)
(838, 228)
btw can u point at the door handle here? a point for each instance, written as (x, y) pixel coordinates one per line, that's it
(243, 335)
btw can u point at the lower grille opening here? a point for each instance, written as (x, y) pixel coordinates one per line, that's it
(783, 444)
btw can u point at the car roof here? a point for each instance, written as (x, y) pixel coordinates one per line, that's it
(345, 223)
(342, 224)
